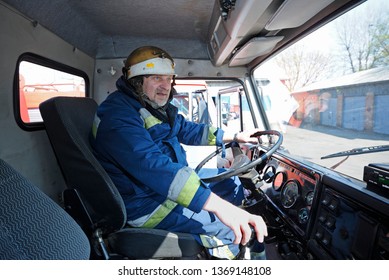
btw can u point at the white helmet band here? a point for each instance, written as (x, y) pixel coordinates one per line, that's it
(153, 66)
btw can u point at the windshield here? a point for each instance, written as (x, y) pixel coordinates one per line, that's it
(330, 92)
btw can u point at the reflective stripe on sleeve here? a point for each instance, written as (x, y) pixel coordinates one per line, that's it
(212, 136)
(184, 186)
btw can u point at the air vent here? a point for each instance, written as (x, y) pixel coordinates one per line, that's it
(254, 48)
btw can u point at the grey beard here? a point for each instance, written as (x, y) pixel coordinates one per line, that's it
(153, 104)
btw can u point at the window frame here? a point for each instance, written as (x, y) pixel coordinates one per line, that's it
(45, 62)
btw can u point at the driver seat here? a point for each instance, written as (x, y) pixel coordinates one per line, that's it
(91, 197)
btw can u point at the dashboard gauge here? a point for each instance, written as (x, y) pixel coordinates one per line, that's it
(309, 198)
(279, 180)
(290, 193)
(303, 215)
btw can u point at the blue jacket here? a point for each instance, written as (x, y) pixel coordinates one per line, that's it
(143, 156)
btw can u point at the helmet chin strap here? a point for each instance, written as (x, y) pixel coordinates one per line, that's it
(124, 71)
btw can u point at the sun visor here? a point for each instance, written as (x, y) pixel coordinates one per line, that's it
(289, 14)
(255, 47)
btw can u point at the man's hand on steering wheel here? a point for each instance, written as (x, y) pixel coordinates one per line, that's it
(244, 164)
(246, 136)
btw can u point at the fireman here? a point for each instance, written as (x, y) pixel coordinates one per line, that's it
(137, 136)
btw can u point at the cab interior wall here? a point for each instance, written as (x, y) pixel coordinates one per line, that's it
(30, 151)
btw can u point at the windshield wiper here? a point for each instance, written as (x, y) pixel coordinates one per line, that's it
(358, 151)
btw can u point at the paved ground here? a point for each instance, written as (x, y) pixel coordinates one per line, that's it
(312, 143)
(315, 142)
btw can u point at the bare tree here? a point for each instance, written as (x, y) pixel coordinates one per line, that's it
(303, 67)
(363, 39)
(362, 43)
(380, 40)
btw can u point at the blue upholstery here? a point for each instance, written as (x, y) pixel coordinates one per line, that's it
(34, 227)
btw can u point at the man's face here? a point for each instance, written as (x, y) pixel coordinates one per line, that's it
(157, 88)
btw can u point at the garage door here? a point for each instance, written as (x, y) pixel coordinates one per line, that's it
(381, 119)
(354, 112)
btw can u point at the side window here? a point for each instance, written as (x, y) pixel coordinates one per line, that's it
(38, 79)
(191, 99)
(234, 111)
(218, 103)
(221, 103)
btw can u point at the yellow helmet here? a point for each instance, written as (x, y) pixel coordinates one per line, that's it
(148, 60)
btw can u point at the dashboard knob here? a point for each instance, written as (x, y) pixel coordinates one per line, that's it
(268, 177)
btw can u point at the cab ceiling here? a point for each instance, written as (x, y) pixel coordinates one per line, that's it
(111, 29)
(185, 28)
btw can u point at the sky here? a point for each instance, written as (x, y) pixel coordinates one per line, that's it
(316, 39)
(323, 38)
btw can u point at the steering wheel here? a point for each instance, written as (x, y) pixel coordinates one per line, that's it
(241, 162)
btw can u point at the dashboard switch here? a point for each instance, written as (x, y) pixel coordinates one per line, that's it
(326, 200)
(333, 205)
(330, 223)
(319, 234)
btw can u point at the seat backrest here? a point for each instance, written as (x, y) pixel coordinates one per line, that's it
(33, 226)
(68, 122)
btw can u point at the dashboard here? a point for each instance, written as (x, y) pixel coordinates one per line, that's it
(328, 215)
(292, 191)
